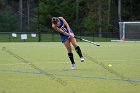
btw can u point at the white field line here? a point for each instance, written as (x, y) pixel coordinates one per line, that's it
(118, 46)
(66, 62)
(33, 63)
(115, 60)
(122, 60)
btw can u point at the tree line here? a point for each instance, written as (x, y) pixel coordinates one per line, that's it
(83, 15)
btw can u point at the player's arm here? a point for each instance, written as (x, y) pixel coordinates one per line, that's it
(66, 23)
(60, 30)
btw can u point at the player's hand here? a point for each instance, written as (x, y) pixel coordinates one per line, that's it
(71, 35)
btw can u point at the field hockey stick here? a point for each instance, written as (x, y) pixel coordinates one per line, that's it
(87, 41)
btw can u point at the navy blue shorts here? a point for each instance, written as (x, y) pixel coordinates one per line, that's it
(64, 37)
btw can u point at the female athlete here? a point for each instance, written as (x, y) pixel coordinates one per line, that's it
(60, 25)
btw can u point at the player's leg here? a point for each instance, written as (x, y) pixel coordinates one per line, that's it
(70, 54)
(77, 48)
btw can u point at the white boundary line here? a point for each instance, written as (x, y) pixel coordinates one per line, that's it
(68, 62)
(116, 60)
(123, 60)
(34, 63)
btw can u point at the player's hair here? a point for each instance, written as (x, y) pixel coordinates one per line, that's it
(55, 20)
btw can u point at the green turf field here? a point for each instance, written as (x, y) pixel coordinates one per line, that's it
(45, 68)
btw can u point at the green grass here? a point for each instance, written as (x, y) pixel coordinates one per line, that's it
(89, 77)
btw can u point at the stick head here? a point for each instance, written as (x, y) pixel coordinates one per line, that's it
(98, 45)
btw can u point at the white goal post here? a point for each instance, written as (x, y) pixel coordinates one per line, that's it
(129, 31)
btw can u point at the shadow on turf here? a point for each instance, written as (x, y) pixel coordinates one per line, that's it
(52, 76)
(3, 92)
(59, 80)
(122, 77)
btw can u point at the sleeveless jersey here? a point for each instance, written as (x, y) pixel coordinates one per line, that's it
(63, 27)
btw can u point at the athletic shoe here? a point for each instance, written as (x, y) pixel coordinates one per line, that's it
(73, 66)
(82, 59)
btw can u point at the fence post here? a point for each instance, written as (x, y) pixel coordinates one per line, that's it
(9, 37)
(20, 9)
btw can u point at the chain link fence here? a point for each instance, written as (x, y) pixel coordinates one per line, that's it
(20, 18)
(52, 37)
